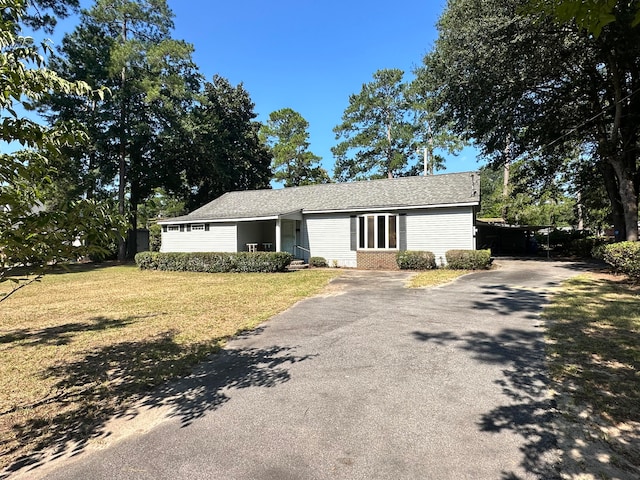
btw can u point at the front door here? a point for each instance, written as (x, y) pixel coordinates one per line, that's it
(288, 236)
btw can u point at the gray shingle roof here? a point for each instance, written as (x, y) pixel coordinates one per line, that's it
(446, 189)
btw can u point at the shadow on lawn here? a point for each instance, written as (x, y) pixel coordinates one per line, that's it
(596, 348)
(529, 413)
(105, 383)
(61, 334)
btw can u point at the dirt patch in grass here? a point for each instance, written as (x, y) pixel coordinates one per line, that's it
(79, 348)
(432, 278)
(594, 359)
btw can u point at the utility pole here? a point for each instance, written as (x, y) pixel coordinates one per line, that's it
(427, 161)
(428, 168)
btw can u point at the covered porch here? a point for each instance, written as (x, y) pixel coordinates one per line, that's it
(280, 234)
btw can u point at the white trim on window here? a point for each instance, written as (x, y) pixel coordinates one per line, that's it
(364, 242)
(197, 227)
(173, 228)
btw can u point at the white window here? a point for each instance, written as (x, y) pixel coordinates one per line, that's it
(379, 231)
(197, 226)
(173, 228)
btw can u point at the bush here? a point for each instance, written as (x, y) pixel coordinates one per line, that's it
(215, 262)
(598, 251)
(581, 247)
(103, 253)
(624, 257)
(318, 262)
(416, 260)
(155, 237)
(468, 259)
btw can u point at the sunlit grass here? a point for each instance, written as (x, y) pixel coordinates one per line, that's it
(78, 347)
(432, 278)
(594, 344)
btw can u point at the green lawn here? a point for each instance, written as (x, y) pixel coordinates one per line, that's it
(432, 278)
(79, 347)
(593, 351)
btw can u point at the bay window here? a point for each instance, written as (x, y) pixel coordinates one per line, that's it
(378, 231)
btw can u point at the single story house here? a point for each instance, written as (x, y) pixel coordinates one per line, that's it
(357, 224)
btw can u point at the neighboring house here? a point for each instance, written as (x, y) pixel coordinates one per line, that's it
(357, 224)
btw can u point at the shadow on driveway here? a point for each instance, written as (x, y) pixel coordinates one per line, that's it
(530, 414)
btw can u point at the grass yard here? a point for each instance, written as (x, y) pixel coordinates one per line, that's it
(594, 357)
(432, 278)
(80, 347)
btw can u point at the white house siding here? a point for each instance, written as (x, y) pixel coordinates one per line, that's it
(328, 236)
(441, 229)
(221, 237)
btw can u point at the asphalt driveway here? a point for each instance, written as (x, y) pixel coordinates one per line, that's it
(369, 381)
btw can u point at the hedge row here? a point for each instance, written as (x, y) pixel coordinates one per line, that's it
(456, 260)
(215, 262)
(468, 259)
(624, 257)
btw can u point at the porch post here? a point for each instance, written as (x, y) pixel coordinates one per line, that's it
(278, 236)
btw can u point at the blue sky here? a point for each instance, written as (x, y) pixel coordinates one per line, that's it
(307, 55)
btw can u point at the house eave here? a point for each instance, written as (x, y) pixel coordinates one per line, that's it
(183, 221)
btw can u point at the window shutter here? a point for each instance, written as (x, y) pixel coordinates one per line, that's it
(182, 228)
(164, 228)
(188, 227)
(402, 241)
(354, 233)
(206, 227)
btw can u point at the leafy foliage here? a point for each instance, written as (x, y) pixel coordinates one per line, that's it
(415, 260)
(224, 152)
(376, 129)
(468, 259)
(215, 262)
(126, 47)
(523, 204)
(591, 15)
(34, 236)
(293, 164)
(504, 79)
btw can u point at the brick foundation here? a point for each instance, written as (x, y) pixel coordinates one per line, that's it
(376, 260)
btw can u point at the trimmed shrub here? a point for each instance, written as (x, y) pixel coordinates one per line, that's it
(468, 259)
(416, 260)
(318, 262)
(624, 257)
(215, 262)
(598, 251)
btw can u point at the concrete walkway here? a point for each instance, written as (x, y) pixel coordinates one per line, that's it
(369, 381)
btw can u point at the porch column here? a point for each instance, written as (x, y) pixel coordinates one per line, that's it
(278, 236)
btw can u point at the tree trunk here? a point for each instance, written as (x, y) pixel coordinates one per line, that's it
(122, 154)
(622, 155)
(132, 243)
(628, 197)
(613, 192)
(505, 177)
